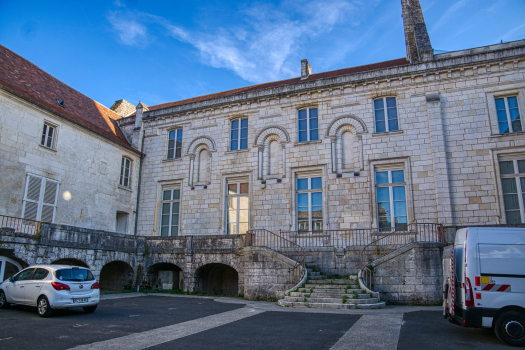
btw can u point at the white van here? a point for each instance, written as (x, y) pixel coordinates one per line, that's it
(484, 281)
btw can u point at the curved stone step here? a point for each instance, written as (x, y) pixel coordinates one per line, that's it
(379, 305)
(333, 282)
(333, 300)
(330, 286)
(317, 277)
(321, 294)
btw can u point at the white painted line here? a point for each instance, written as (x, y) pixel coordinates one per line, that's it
(372, 332)
(161, 335)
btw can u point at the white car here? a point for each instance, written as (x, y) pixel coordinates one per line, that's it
(51, 287)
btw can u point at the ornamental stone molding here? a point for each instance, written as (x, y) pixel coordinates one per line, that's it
(208, 141)
(343, 120)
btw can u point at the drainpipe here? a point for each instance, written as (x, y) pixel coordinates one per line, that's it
(138, 187)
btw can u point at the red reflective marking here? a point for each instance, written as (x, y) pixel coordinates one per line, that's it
(488, 287)
(503, 288)
(478, 281)
(478, 295)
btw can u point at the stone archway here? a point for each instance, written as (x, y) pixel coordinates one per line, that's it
(165, 276)
(9, 267)
(217, 279)
(115, 276)
(71, 262)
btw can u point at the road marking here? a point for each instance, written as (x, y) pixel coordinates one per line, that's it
(378, 332)
(161, 335)
(7, 338)
(79, 325)
(133, 315)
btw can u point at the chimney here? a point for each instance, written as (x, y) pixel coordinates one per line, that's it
(123, 108)
(306, 69)
(419, 48)
(136, 139)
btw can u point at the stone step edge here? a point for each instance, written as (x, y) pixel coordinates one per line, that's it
(284, 303)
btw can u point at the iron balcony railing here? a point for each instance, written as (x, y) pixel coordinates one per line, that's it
(20, 225)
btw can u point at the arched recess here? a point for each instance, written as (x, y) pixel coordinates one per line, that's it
(347, 144)
(9, 267)
(115, 275)
(71, 262)
(200, 151)
(164, 276)
(272, 156)
(217, 279)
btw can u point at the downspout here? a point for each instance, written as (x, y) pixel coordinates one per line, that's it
(138, 187)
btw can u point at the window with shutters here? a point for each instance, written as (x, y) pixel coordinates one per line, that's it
(169, 221)
(49, 136)
(40, 199)
(125, 172)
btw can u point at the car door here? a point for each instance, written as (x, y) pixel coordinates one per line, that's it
(33, 286)
(16, 289)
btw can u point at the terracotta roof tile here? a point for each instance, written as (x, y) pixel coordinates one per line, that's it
(330, 74)
(26, 79)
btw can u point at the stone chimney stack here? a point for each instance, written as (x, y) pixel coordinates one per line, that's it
(306, 69)
(123, 108)
(136, 139)
(419, 48)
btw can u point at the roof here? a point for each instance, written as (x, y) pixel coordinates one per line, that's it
(330, 74)
(23, 78)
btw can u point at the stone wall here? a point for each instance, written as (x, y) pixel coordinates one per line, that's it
(411, 275)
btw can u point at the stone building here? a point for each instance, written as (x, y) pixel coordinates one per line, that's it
(329, 161)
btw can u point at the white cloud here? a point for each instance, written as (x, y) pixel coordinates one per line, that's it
(130, 31)
(448, 14)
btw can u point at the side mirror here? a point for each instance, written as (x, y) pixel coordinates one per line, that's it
(11, 279)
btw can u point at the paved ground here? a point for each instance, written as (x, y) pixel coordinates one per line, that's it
(182, 322)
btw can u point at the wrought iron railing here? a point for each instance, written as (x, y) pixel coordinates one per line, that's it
(20, 225)
(385, 243)
(275, 242)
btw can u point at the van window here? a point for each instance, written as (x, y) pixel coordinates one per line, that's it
(75, 275)
(502, 259)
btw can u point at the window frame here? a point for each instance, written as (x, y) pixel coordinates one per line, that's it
(122, 177)
(519, 188)
(308, 128)
(390, 185)
(309, 191)
(237, 196)
(239, 133)
(163, 201)
(44, 135)
(175, 148)
(41, 197)
(385, 110)
(507, 112)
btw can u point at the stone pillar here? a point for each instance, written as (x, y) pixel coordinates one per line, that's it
(439, 160)
(136, 140)
(306, 69)
(419, 48)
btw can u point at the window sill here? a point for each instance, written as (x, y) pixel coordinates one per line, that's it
(171, 159)
(48, 148)
(519, 133)
(307, 142)
(388, 133)
(125, 188)
(238, 151)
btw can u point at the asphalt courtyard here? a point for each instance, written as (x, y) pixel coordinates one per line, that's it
(183, 322)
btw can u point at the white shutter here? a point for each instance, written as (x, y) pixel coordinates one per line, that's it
(49, 202)
(32, 197)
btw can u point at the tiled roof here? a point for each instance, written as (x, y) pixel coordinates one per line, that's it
(26, 79)
(330, 74)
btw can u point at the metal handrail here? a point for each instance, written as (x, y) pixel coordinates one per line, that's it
(397, 239)
(27, 226)
(275, 242)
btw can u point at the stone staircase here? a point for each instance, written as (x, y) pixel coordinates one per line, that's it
(322, 293)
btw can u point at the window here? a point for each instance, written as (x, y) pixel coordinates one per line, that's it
(175, 144)
(40, 199)
(309, 204)
(25, 275)
(239, 134)
(238, 210)
(508, 115)
(308, 125)
(513, 184)
(74, 275)
(122, 222)
(391, 199)
(386, 114)
(124, 172)
(40, 274)
(48, 136)
(169, 225)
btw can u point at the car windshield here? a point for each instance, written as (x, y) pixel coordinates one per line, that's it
(76, 275)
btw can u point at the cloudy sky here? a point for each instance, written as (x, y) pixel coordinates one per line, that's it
(161, 51)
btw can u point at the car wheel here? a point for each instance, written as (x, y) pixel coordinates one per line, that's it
(90, 309)
(510, 328)
(3, 301)
(44, 309)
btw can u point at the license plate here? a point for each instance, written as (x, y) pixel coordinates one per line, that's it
(83, 300)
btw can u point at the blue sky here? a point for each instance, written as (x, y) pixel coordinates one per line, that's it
(161, 51)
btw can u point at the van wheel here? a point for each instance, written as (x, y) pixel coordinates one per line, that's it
(44, 309)
(510, 328)
(90, 309)
(3, 301)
